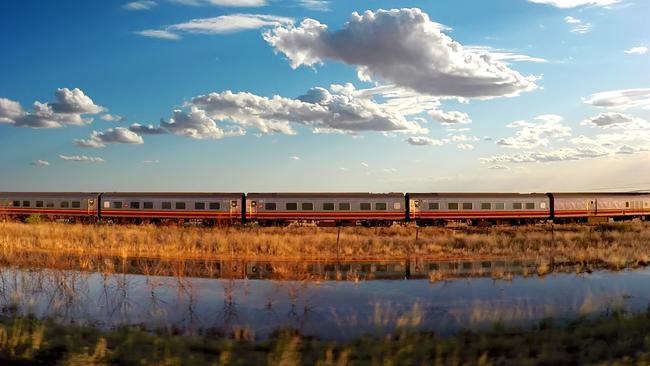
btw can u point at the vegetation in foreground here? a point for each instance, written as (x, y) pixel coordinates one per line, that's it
(616, 339)
(610, 245)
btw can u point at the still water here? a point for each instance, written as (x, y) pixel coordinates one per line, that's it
(326, 309)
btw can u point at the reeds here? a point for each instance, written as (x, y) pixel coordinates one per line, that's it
(612, 245)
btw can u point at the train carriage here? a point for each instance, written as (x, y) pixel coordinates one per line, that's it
(326, 208)
(600, 206)
(205, 207)
(72, 206)
(432, 208)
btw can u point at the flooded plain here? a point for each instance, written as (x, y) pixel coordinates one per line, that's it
(365, 303)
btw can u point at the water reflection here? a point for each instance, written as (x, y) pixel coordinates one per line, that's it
(247, 308)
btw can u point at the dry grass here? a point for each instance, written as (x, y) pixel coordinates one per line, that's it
(614, 245)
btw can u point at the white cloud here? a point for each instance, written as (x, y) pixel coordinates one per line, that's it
(118, 135)
(232, 3)
(217, 25)
(68, 109)
(577, 25)
(147, 129)
(389, 170)
(294, 158)
(364, 164)
(423, 141)
(566, 4)
(638, 50)
(336, 110)
(404, 47)
(498, 167)
(140, 5)
(150, 161)
(504, 56)
(40, 163)
(197, 125)
(615, 120)
(162, 34)
(537, 133)
(112, 118)
(621, 99)
(81, 158)
(562, 154)
(465, 146)
(450, 117)
(317, 5)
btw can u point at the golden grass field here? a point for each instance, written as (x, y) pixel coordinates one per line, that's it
(613, 245)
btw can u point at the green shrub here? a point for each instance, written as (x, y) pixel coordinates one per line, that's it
(33, 219)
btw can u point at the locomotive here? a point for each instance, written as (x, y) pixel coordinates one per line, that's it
(327, 209)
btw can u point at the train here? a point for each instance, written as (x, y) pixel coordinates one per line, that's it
(326, 209)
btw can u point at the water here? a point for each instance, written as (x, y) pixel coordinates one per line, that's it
(326, 309)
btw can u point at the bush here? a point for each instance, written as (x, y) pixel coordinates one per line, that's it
(33, 219)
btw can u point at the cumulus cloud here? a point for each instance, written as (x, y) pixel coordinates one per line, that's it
(68, 109)
(147, 129)
(140, 5)
(112, 118)
(450, 117)
(198, 125)
(537, 133)
(498, 167)
(40, 163)
(423, 141)
(364, 164)
(150, 161)
(404, 47)
(566, 4)
(615, 120)
(638, 50)
(621, 99)
(217, 25)
(294, 158)
(465, 146)
(336, 110)
(118, 135)
(81, 158)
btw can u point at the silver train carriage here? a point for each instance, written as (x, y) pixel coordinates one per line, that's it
(432, 208)
(326, 208)
(600, 206)
(206, 207)
(54, 205)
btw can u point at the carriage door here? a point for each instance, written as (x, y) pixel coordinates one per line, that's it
(414, 208)
(592, 207)
(251, 209)
(92, 206)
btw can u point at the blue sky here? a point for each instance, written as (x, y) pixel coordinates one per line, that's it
(310, 96)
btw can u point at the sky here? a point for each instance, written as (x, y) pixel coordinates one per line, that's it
(314, 95)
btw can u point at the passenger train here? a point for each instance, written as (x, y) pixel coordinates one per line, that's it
(327, 209)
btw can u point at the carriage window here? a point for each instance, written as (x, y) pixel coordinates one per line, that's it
(467, 205)
(381, 206)
(328, 206)
(215, 205)
(270, 206)
(65, 204)
(627, 204)
(199, 205)
(76, 204)
(49, 204)
(166, 205)
(307, 206)
(530, 205)
(16, 203)
(452, 205)
(344, 206)
(39, 203)
(180, 205)
(364, 206)
(25, 203)
(396, 205)
(542, 205)
(517, 206)
(434, 205)
(148, 205)
(117, 204)
(292, 206)
(499, 206)
(486, 206)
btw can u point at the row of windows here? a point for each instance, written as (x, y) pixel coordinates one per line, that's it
(486, 205)
(47, 204)
(328, 206)
(164, 205)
